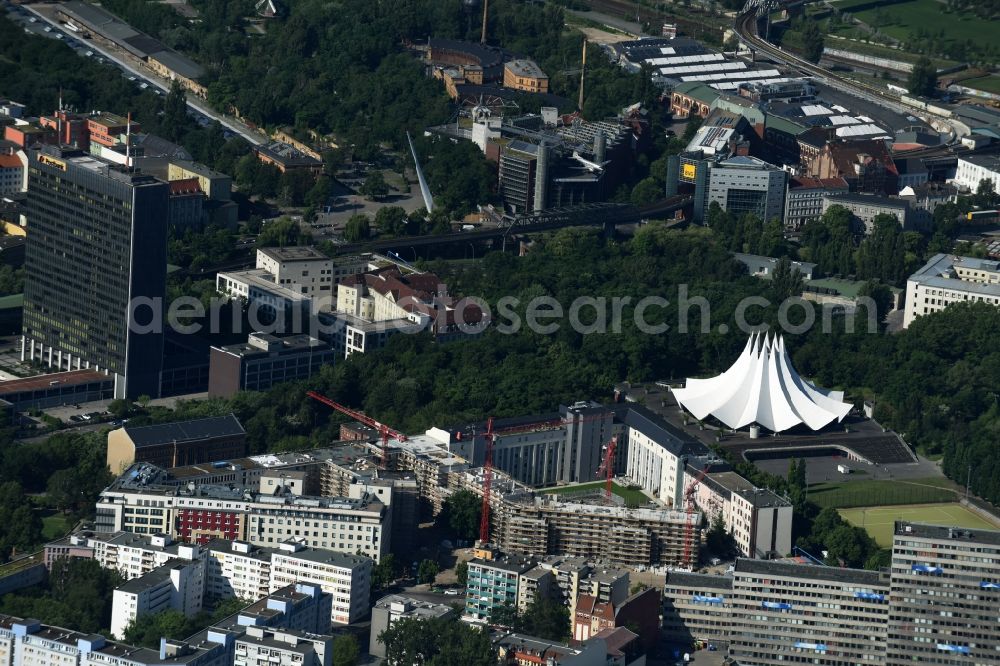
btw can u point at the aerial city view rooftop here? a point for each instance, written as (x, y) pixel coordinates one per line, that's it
(517, 332)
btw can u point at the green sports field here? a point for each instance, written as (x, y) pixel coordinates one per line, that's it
(900, 19)
(878, 520)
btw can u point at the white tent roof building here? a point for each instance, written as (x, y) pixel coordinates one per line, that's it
(762, 387)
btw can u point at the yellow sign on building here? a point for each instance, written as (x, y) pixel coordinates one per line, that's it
(689, 171)
(51, 161)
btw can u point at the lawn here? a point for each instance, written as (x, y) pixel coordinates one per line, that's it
(987, 83)
(55, 526)
(631, 496)
(872, 492)
(907, 17)
(878, 521)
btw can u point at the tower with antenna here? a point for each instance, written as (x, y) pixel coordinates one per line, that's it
(583, 72)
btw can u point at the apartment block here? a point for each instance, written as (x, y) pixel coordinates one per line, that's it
(799, 613)
(266, 646)
(395, 607)
(945, 595)
(759, 520)
(947, 279)
(657, 452)
(973, 169)
(346, 578)
(696, 607)
(493, 582)
(177, 585)
(865, 208)
(237, 569)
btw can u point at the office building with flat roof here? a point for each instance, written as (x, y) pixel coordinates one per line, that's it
(300, 267)
(745, 184)
(945, 596)
(947, 279)
(265, 360)
(94, 288)
(865, 208)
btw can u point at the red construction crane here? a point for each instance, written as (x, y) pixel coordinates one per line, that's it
(490, 436)
(385, 431)
(484, 515)
(608, 466)
(690, 507)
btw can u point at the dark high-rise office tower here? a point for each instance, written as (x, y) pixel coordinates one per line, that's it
(97, 246)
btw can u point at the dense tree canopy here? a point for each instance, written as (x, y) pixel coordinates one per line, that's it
(437, 642)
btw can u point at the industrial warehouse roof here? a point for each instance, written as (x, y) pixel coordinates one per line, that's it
(185, 431)
(762, 387)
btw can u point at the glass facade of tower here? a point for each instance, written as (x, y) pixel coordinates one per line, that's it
(97, 244)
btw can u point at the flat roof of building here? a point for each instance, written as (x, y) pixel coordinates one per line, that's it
(294, 253)
(185, 431)
(940, 272)
(699, 581)
(810, 571)
(867, 199)
(330, 557)
(904, 529)
(52, 381)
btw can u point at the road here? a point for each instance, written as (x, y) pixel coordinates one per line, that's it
(81, 46)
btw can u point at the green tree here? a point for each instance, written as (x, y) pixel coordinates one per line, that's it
(391, 221)
(427, 571)
(120, 408)
(460, 514)
(358, 228)
(923, 78)
(374, 186)
(647, 191)
(881, 296)
(718, 540)
(282, 232)
(812, 41)
(437, 642)
(175, 119)
(545, 618)
(345, 650)
(384, 572)
(786, 281)
(462, 573)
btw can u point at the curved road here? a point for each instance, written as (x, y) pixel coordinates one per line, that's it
(746, 28)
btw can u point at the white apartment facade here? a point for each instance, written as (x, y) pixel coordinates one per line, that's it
(300, 268)
(347, 578)
(266, 646)
(948, 279)
(973, 169)
(177, 585)
(347, 525)
(237, 569)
